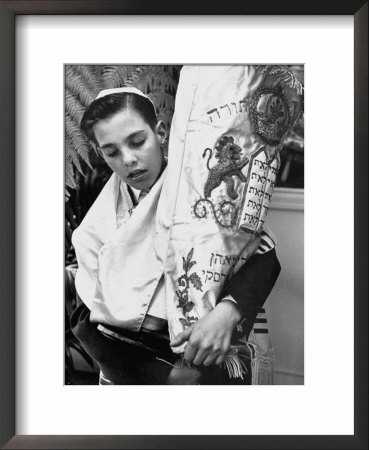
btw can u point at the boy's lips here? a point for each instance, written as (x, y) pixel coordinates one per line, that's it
(136, 174)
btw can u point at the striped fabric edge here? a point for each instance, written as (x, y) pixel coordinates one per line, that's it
(267, 243)
(261, 323)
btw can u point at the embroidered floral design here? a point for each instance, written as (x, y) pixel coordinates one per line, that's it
(270, 114)
(225, 216)
(184, 281)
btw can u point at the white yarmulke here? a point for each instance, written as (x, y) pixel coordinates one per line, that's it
(127, 90)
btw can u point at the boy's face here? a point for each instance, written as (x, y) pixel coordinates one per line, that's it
(131, 148)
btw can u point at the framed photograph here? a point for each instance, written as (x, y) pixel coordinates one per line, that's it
(224, 204)
(63, 59)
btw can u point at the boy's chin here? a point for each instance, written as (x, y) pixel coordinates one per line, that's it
(142, 186)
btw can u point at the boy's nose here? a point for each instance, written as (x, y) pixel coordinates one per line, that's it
(128, 157)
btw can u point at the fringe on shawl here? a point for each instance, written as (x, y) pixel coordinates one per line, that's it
(236, 366)
(235, 363)
(261, 363)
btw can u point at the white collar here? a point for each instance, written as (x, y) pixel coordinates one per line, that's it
(135, 192)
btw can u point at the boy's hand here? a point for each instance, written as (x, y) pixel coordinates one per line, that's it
(209, 338)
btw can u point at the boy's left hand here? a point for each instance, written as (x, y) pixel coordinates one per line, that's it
(209, 338)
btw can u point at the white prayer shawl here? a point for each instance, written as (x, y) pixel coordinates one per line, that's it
(118, 269)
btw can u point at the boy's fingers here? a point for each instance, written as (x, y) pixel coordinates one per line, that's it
(190, 353)
(210, 359)
(181, 337)
(220, 360)
(200, 357)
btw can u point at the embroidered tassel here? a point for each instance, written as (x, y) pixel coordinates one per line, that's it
(235, 366)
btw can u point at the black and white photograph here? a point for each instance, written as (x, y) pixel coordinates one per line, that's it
(184, 224)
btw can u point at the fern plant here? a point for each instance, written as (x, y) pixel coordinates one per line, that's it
(83, 83)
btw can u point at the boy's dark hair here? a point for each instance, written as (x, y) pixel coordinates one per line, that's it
(105, 107)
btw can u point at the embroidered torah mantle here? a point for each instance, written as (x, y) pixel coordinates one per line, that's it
(227, 131)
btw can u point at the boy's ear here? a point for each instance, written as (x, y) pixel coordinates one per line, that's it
(161, 131)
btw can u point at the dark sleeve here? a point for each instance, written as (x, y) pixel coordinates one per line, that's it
(252, 284)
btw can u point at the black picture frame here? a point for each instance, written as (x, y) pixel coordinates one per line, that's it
(8, 10)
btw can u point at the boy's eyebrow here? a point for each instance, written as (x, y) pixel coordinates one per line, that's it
(135, 133)
(132, 135)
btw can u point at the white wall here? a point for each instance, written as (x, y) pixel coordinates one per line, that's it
(286, 303)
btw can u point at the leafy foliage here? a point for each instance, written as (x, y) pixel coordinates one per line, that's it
(185, 281)
(196, 281)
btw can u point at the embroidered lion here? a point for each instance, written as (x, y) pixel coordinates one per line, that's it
(230, 164)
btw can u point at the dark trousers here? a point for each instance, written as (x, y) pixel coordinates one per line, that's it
(125, 363)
